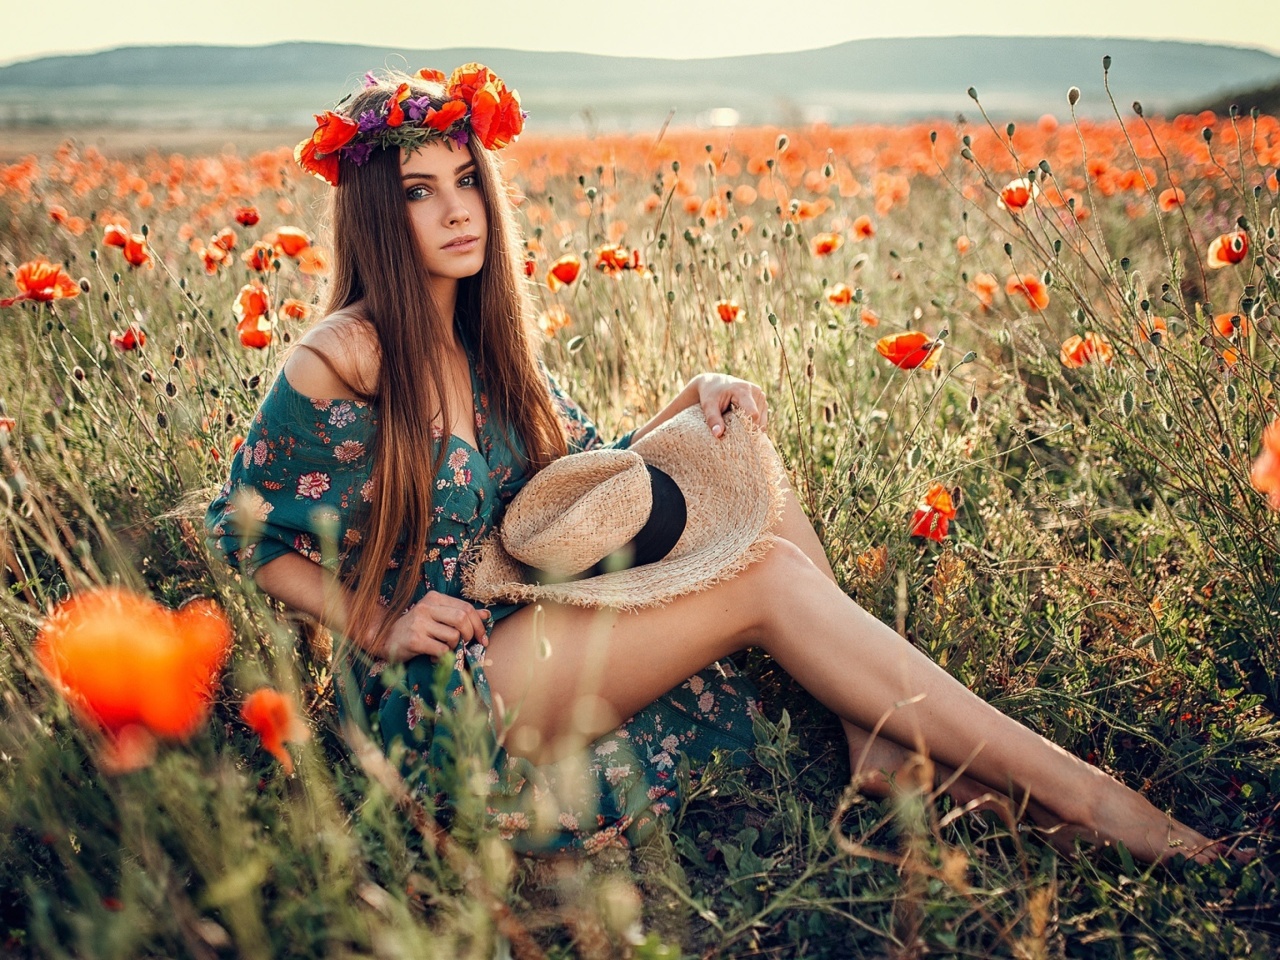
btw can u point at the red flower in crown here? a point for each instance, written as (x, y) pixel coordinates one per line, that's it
(318, 154)
(446, 116)
(395, 112)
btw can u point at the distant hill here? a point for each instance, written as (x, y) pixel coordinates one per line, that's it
(282, 84)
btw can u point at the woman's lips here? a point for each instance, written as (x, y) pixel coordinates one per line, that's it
(462, 244)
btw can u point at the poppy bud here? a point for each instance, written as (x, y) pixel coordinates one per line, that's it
(973, 94)
(1073, 96)
(1137, 107)
(1106, 63)
(78, 372)
(84, 284)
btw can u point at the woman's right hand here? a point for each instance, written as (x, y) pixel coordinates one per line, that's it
(433, 626)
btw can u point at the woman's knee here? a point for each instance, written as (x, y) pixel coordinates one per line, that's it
(782, 577)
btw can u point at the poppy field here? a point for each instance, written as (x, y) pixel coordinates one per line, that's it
(1024, 380)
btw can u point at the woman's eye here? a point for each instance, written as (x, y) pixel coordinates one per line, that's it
(417, 193)
(468, 181)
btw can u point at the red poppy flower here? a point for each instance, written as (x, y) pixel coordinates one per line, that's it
(213, 256)
(247, 216)
(1076, 351)
(563, 272)
(289, 240)
(132, 338)
(496, 117)
(115, 235)
(136, 253)
(1229, 324)
(1032, 289)
(530, 266)
(333, 131)
(254, 332)
(467, 79)
(395, 112)
(728, 310)
(825, 244)
(984, 287)
(933, 515)
(260, 257)
(270, 714)
(295, 309)
(1017, 194)
(1171, 199)
(910, 350)
(612, 260)
(446, 115)
(1265, 476)
(839, 295)
(42, 281)
(863, 228)
(431, 76)
(963, 245)
(870, 318)
(253, 301)
(225, 238)
(7, 424)
(1228, 249)
(309, 158)
(313, 261)
(132, 668)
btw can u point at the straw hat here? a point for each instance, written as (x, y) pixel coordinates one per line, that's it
(575, 522)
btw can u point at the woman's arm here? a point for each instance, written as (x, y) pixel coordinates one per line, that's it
(714, 392)
(433, 626)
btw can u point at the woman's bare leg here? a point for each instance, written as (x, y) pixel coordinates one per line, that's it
(579, 672)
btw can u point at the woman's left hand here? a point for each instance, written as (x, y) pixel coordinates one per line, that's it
(716, 391)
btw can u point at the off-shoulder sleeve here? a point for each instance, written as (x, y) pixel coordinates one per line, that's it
(300, 478)
(581, 433)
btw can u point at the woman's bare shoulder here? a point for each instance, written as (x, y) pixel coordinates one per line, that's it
(349, 345)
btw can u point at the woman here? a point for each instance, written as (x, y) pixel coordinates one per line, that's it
(424, 347)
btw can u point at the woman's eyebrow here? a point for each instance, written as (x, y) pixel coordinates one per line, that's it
(432, 176)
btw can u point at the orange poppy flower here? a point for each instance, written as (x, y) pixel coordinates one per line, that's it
(1228, 249)
(431, 76)
(1229, 324)
(7, 424)
(1017, 194)
(446, 115)
(270, 714)
(910, 350)
(255, 332)
(313, 261)
(825, 244)
(225, 238)
(132, 338)
(839, 295)
(612, 260)
(984, 287)
(213, 256)
(295, 309)
(1032, 289)
(963, 245)
(252, 301)
(136, 253)
(554, 319)
(290, 241)
(42, 281)
(114, 235)
(933, 515)
(870, 318)
(247, 216)
(1265, 475)
(728, 310)
(132, 668)
(563, 272)
(395, 112)
(318, 154)
(260, 257)
(1171, 199)
(863, 228)
(1076, 351)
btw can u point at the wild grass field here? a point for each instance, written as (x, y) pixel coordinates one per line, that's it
(1057, 344)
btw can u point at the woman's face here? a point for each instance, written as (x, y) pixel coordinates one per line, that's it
(446, 207)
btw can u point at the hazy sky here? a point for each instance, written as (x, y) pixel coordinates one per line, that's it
(656, 28)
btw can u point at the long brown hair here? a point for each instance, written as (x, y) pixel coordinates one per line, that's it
(377, 262)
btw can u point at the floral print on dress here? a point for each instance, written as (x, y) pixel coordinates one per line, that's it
(306, 473)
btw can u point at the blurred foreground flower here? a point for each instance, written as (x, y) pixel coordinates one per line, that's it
(563, 272)
(554, 319)
(1228, 249)
(934, 514)
(1031, 288)
(42, 281)
(1266, 469)
(839, 295)
(1091, 348)
(270, 714)
(1017, 194)
(728, 310)
(910, 350)
(1171, 199)
(825, 244)
(132, 668)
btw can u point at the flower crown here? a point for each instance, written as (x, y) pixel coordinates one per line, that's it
(476, 103)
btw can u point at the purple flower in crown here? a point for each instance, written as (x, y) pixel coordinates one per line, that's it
(418, 107)
(370, 80)
(357, 152)
(460, 135)
(371, 122)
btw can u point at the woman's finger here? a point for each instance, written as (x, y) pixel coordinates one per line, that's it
(711, 410)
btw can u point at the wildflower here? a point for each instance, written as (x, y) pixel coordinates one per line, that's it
(289, 241)
(225, 239)
(313, 261)
(839, 295)
(42, 281)
(963, 244)
(825, 244)
(611, 260)
(1228, 249)
(115, 235)
(1017, 194)
(247, 216)
(318, 154)
(1032, 289)
(554, 319)
(7, 424)
(563, 272)
(863, 228)
(295, 309)
(910, 350)
(1171, 199)
(260, 257)
(984, 287)
(132, 338)
(1229, 324)
(728, 310)
(869, 317)
(934, 514)
(1266, 469)
(1091, 348)
(136, 253)
(132, 668)
(270, 714)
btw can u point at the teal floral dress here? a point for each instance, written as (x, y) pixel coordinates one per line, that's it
(301, 481)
